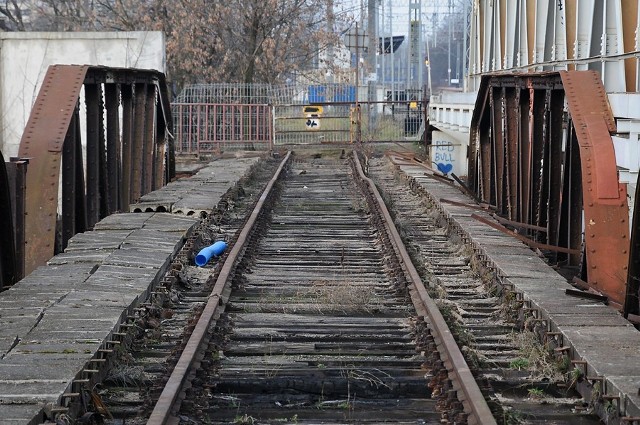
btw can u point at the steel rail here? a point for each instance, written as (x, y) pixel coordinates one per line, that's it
(474, 402)
(527, 241)
(169, 398)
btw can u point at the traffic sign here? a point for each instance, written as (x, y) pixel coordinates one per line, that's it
(312, 124)
(353, 39)
(312, 110)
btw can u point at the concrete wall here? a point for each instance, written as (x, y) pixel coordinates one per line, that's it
(25, 57)
(448, 153)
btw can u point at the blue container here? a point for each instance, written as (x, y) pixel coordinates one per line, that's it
(206, 253)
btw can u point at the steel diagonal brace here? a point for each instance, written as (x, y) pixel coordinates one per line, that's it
(42, 141)
(52, 139)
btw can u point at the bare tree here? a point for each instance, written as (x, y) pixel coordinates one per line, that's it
(245, 40)
(12, 18)
(209, 40)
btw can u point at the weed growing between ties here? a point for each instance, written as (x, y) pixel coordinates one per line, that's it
(344, 296)
(535, 358)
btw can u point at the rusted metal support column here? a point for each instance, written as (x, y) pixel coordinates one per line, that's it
(95, 150)
(42, 142)
(8, 260)
(74, 208)
(17, 171)
(632, 300)
(127, 144)
(552, 175)
(114, 147)
(12, 217)
(495, 181)
(149, 151)
(137, 146)
(606, 212)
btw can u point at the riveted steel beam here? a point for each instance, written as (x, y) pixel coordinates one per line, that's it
(121, 163)
(632, 301)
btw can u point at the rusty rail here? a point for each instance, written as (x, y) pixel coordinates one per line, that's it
(544, 168)
(468, 391)
(169, 400)
(129, 151)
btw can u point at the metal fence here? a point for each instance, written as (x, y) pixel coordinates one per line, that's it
(214, 117)
(206, 128)
(338, 123)
(299, 124)
(227, 93)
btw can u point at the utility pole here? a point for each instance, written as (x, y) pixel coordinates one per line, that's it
(449, 45)
(383, 34)
(428, 63)
(330, 51)
(415, 56)
(464, 46)
(356, 44)
(358, 115)
(393, 65)
(372, 30)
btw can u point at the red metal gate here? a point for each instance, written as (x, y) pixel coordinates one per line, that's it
(212, 127)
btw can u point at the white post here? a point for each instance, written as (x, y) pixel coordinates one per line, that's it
(393, 65)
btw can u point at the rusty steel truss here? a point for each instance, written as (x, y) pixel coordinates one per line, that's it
(541, 156)
(118, 150)
(12, 214)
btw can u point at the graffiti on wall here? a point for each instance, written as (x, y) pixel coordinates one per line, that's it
(443, 156)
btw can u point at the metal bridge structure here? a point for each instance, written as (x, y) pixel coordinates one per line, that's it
(549, 121)
(549, 141)
(97, 139)
(546, 135)
(525, 36)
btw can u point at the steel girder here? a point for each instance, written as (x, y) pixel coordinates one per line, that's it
(541, 155)
(129, 151)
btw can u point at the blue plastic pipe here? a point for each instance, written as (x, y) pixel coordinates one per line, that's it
(206, 253)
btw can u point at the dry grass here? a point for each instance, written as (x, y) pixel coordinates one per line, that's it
(343, 296)
(127, 376)
(538, 359)
(325, 297)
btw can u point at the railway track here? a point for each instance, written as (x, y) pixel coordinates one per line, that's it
(317, 328)
(309, 319)
(524, 383)
(316, 315)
